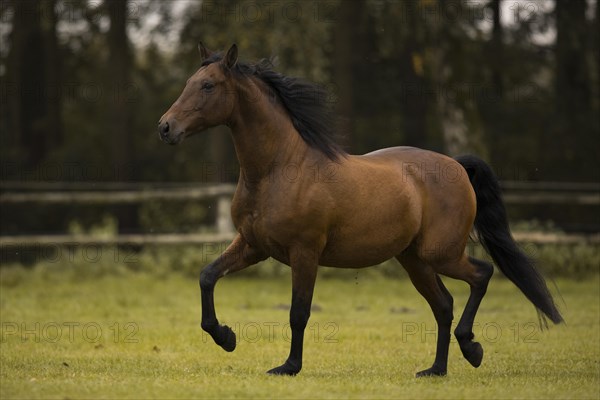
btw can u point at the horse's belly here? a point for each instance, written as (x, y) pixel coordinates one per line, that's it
(359, 257)
(365, 247)
(363, 252)
(378, 225)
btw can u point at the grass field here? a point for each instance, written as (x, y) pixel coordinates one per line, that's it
(138, 336)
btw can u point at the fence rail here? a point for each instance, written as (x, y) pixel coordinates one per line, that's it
(103, 193)
(515, 192)
(204, 238)
(119, 196)
(127, 239)
(524, 192)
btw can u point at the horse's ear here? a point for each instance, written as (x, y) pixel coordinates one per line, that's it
(231, 57)
(204, 52)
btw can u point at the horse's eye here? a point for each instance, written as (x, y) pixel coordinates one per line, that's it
(208, 86)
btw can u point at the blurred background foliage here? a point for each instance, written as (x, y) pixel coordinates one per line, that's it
(83, 84)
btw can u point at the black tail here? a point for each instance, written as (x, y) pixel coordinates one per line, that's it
(494, 234)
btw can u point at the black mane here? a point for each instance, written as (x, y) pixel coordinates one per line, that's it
(305, 102)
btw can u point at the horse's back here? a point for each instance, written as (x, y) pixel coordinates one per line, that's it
(407, 155)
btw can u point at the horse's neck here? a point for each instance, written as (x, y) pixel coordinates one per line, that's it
(264, 137)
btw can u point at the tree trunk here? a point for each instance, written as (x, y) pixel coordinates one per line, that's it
(495, 64)
(52, 71)
(346, 55)
(575, 130)
(118, 83)
(497, 50)
(572, 75)
(415, 106)
(32, 78)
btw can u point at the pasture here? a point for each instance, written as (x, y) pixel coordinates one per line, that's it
(137, 335)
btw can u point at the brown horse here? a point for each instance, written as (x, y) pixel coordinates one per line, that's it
(303, 201)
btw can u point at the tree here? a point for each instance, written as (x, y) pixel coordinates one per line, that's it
(411, 49)
(496, 48)
(348, 51)
(32, 87)
(576, 129)
(118, 84)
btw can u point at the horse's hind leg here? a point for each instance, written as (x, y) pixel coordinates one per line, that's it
(477, 274)
(429, 284)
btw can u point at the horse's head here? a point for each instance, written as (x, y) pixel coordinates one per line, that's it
(206, 101)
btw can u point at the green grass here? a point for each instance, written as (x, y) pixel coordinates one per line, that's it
(366, 339)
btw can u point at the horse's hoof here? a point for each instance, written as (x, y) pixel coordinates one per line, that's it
(227, 339)
(473, 352)
(285, 369)
(433, 371)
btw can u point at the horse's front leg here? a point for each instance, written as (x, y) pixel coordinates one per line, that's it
(304, 273)
(236, 257)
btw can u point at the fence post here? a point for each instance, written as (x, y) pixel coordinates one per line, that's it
(224, 224)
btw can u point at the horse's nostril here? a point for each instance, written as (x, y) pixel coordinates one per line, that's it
(163, 128)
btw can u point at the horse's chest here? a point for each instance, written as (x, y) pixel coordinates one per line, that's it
(268, 227)
(258, 227)
(252, 226)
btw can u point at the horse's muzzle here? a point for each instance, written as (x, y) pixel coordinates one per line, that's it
(168, 134)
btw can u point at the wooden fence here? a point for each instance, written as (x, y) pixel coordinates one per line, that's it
(95, 193)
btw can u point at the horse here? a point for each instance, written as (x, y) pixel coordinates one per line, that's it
(306, 202)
